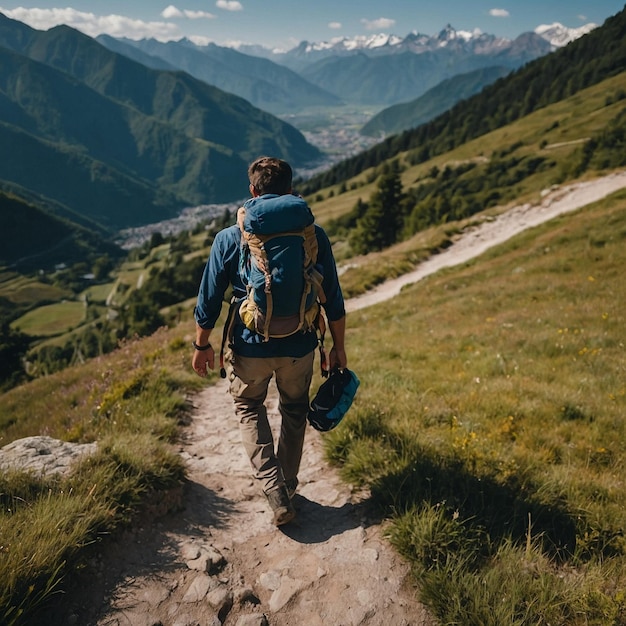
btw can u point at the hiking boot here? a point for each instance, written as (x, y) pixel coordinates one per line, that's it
(292, 485)
(281, 505)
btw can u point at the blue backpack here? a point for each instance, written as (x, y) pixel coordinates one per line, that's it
(277, 265)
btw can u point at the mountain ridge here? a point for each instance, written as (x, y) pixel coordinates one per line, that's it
(556, 34)
(363, 70)
(266, 84)
(435, 101)
(138, 144)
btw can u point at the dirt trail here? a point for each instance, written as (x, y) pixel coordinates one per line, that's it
(221, 561)
(496, 231)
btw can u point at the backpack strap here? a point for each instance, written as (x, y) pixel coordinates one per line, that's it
(227, 332)
(320, 327)
(255, 245)
(310, 244)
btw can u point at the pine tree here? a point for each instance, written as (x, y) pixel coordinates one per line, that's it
(382, 222)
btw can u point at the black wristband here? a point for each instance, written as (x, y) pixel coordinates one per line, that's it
(201, 348)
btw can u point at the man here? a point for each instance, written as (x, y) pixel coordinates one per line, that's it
(252, 359)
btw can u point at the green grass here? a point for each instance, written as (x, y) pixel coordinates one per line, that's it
(24, 291)
(573, 120)
(52, 319)
(99, 293)
(490, 426)
(130, 402)
(47, 526)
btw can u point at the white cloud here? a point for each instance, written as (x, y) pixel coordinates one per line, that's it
(229, 5)
(198, 15)
(92, 24)
(172, 12)
(381, 23)
(582, 18)
(334, 25)
(499, 13)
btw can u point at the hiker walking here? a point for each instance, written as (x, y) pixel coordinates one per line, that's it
(283, 275)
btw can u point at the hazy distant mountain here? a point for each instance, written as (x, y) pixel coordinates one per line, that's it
(403, 76)
(267, 85)
(473, 42)
(388, 69)
(446, 94)
(126, 47)
(121, 143)
(371, 70)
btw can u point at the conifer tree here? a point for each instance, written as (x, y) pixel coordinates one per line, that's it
(382, 222)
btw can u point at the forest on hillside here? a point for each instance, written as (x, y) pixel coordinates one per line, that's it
(583, 63)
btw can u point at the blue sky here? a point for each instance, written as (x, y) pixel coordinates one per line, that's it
(284, 23)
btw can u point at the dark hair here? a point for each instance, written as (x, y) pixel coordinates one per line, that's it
(270, 175)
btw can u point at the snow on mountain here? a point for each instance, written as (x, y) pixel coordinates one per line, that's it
(559, 35)
(361, 42)
(449, 33)
(556, 34)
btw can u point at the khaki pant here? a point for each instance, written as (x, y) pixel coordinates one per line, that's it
(249, 379)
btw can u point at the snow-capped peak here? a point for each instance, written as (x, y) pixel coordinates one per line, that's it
(556, 34)
(559, 35)
(449, 33)
(360, 42)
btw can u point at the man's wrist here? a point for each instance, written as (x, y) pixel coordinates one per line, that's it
(201, 348)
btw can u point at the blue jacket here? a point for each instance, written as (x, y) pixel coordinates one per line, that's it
(222, 271)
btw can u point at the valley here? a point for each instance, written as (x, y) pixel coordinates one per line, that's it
(335, 131)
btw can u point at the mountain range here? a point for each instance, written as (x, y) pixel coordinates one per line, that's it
(475, 41)
(120, 143)
(380, 70)
(266, 84)
(109, 133)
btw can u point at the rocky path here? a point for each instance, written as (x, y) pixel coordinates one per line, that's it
(221, 561)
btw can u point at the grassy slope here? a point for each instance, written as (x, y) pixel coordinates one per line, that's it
(555, 132)
(490, 420)
(490, 393)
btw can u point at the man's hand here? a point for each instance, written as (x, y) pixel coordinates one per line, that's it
(203, 360)
(337, 358)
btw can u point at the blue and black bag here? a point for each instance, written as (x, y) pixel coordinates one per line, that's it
(333, 399)
(278, 266)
